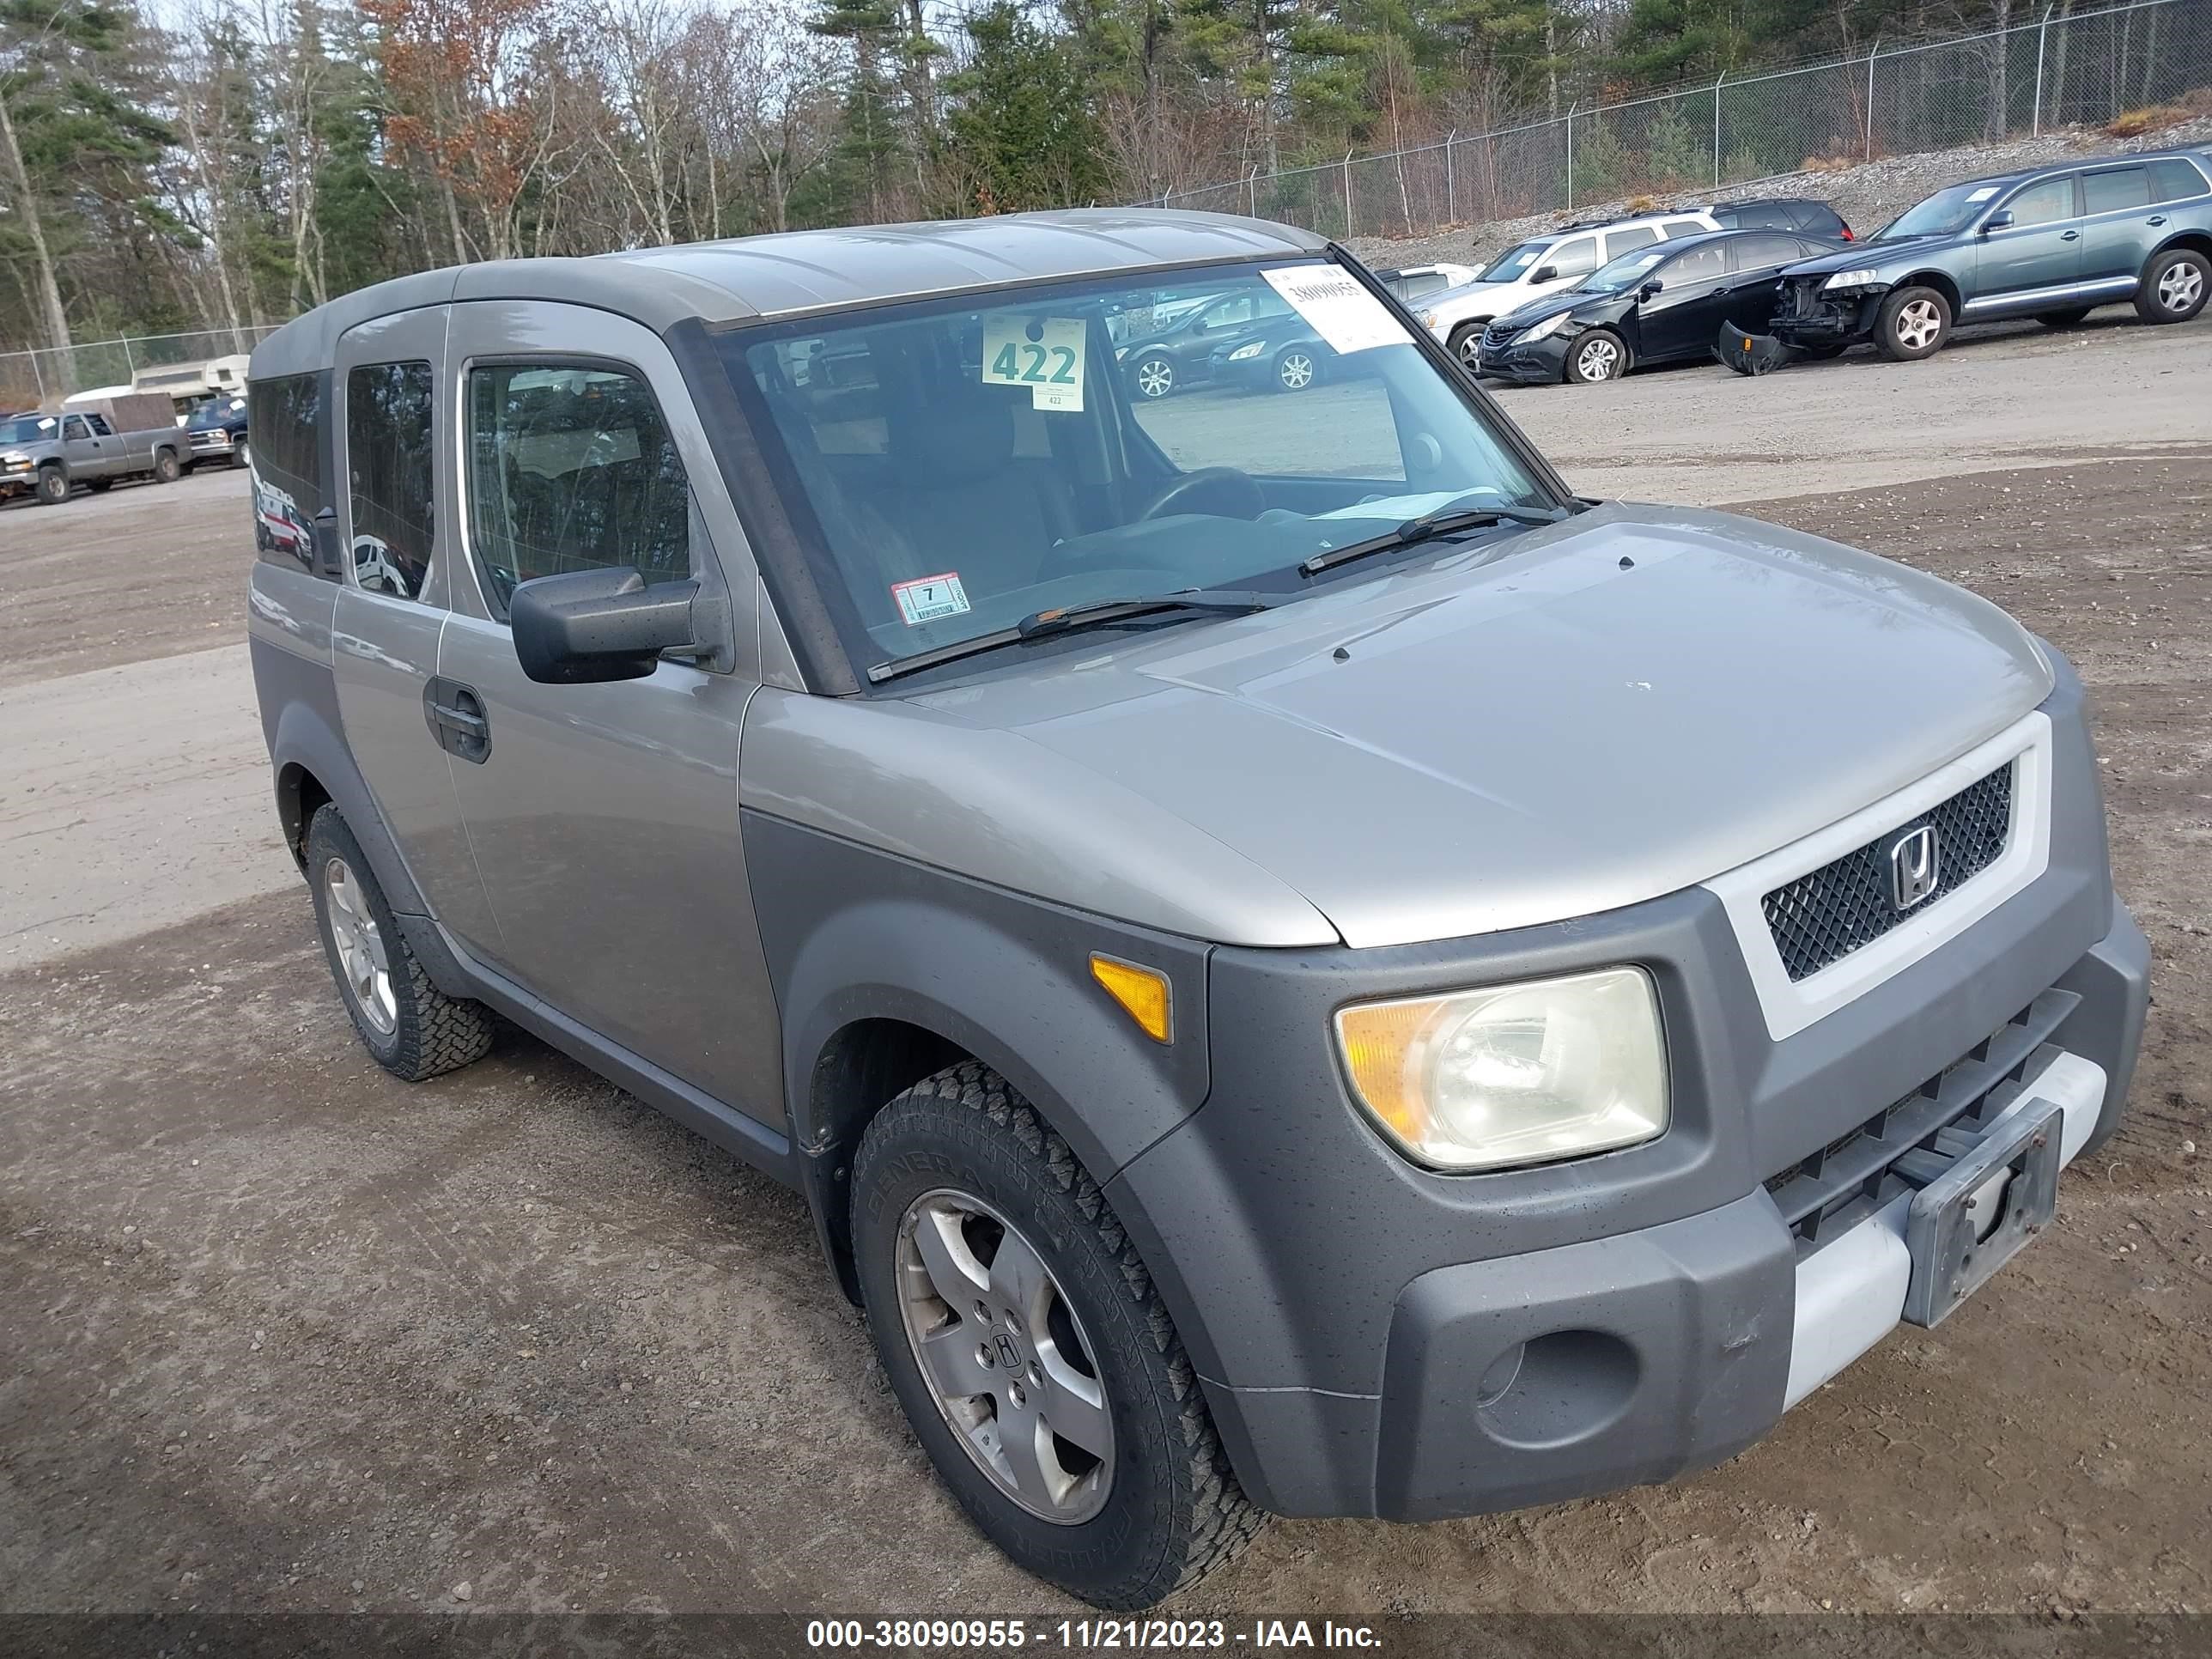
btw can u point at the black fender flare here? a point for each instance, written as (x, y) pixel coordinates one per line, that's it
(854, 935)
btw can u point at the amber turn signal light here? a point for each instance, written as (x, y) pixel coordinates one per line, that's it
(1142, 993)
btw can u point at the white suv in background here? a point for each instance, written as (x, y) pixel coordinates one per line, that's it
(1544, 265)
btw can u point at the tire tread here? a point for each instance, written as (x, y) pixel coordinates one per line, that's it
(1224, 1521)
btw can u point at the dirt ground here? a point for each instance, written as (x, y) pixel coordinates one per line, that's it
(284, 1334)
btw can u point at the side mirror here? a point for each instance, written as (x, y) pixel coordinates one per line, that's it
(1654, 286)
(588, 626)
(1545, 274)
(1997, 221)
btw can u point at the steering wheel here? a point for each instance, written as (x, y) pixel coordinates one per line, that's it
(1226, 482)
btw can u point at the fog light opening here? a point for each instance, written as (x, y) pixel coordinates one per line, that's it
(1564, 1387)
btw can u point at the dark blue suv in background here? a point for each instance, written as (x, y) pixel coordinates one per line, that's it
(2053, 244)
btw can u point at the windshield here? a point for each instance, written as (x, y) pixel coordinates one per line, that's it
(29, 429)
(965, 466)
(1624, 273)
(1514, 263)
(215, 412)
(1944, 213)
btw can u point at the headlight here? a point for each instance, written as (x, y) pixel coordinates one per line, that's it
(1120, 352)
(1548, 326)
(1512, 1074)
(1244, 353)
(1862, 277)
(1428, 320)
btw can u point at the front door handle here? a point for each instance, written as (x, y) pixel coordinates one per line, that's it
(2068, 236)
(2158, 218)
(457, 718)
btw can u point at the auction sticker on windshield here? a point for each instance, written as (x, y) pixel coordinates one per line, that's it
(1342, 312)
(1044, 353)
(930, 599)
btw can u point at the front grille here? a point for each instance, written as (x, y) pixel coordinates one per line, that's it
(210, 439)
(1827, 914)
(1911, 1141)
(1496, 335)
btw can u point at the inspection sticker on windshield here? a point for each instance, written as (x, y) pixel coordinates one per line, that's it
(1342, 312)
(1982, 194)
(1044, 353)
(930, 599)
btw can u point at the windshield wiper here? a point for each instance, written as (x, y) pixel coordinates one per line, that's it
(1091, 613)
(1444, 521)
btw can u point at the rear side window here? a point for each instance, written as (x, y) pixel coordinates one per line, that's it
(2174, 180)
(2122, 187)
(1700, 265)
(572, 467)
(1764, 253)
(1757, 215)
(288, 465)
(388, 479)
(1678, 228)
(1617, 242)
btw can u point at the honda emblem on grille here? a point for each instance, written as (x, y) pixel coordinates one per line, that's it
(1916, 863)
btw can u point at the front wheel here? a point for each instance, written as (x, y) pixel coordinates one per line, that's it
(166, 468)
(1153, 377)
(1031, 1350)
(1466, 345)
(242, 455)
(1296, 370)
(1914, 324)
(53, 486)
(2174, 286)
(1598, 354)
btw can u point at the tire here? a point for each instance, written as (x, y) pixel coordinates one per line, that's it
(53, 486)
(1296, 369)
(165, 468)
(1913, 323)
(960, 1158)
(241, 454)
(411, 1028)
(2175, 284)
(2065, 319)
(1152, 377)
(1598, 353)
(1465, 340)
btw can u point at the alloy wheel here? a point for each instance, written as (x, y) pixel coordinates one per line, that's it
(1155, 377)
(2179, 287)
(1918, 324)
(1005, 1356)
(1598, 360)
(1295, 371)
(363, 959)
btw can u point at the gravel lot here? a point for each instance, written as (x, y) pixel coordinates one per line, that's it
(284, 1334)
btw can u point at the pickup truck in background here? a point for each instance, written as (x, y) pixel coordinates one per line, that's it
(45, 455)
(217, 431)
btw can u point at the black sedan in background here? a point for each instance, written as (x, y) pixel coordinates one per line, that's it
(1659, 303)
(1186, 353)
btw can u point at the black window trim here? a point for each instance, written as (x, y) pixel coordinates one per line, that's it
(701, 564)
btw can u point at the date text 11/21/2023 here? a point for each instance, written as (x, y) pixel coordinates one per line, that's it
(1085, 1634)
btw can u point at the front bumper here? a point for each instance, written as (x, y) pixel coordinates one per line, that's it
(1541, 362)
(1377, 1340)
(1809, 316)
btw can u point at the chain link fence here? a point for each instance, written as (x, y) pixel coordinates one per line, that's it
(42, 378)
(2062, 68)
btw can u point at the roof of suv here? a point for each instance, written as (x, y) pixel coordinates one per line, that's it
(807, 270)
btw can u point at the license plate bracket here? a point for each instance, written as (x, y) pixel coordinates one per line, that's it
(1952, 1257)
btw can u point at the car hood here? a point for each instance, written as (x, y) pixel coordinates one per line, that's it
(1869, 255)
(1551, 305)
(1547, 725)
